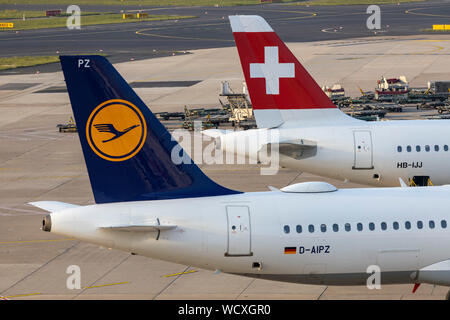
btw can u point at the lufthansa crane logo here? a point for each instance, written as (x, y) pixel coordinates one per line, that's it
(116, 130)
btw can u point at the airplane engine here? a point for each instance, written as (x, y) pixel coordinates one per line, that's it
(47, 223)
(438, 273)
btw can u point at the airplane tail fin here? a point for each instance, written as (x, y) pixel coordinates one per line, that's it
(280, 88)
(128, 152)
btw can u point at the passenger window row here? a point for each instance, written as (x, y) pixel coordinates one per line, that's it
(427, 148)
(371, 226)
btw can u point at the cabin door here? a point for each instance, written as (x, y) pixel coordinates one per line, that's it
(239, 231)
(363, 150)
(398, 259)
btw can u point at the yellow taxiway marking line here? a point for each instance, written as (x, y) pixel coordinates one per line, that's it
(106, 285)
(432, 40)
(35, 241)
(179, 273)
(141, 32)
(435, 48)
(37, 293)
(410, 11)
(21, 295)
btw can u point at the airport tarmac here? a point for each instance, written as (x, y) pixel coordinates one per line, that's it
(211, 29)
(39, 163)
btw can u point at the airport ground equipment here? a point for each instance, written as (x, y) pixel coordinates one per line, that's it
(336, 92)
(170, 115)
(393, 89)
(443, 108)
(67, 127)
(414, 97)
(378, 106)
(239, 104)
(420, 181)
(365, 114)
(439, 87)
(431, 105)
(191, 125)
(210, 118)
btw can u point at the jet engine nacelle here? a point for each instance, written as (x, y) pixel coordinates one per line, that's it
(438, 273)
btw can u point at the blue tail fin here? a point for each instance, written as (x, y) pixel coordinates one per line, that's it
(126, 149)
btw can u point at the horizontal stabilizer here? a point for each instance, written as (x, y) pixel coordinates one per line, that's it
(402, 183)
(53, 206)
(141, 228)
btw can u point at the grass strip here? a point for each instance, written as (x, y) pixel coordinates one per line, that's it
(185, 3)
(88, 18)
(26, 61)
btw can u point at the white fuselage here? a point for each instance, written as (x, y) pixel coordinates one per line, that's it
(231, 233)
(364, 152)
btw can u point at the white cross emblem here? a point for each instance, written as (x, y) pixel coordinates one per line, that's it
(272, 70)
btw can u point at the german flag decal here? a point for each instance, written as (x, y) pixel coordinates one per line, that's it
(290, 250)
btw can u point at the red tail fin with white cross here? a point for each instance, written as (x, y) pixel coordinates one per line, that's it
(279, 86)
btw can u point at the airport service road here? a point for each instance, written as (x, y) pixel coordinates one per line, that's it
(211, 29)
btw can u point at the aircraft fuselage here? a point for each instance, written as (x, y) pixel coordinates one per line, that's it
(371, 153)
(330, 238)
